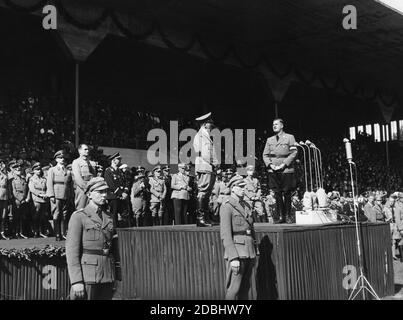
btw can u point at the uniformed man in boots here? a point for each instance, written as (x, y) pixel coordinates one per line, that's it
(279, 155)
(19, 188)
(5, 196)
(139, 196)
(158, 192)
(238, 237)
(206, 164)
(37, 187)
(59, 191)
(118, 192)
(168, 205)
(221, 190)
(253, 195)
(90, 260)
(83, 171)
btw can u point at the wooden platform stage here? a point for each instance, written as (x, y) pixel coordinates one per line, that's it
(186, 262)
(295, 262)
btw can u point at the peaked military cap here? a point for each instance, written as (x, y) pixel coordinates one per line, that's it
(156, 168)
(236, 181)
(96, 184)
(59, 154)
(205, 118)
(116, 155)
(36, 166)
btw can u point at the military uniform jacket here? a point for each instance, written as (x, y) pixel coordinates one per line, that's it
(222, 191)
(59, 183)
(116, 183)
(158, 189)
(37, 187)
(396, 219)
(87, 231)
(83, 171)
(19, 188)
(373, 212)
(5, 186)
(236, 217)
(206, 155)
(252, 189)
(138, 192)
(281, 151)
(179, 185)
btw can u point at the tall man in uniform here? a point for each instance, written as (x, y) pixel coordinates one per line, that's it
(238, 236)
(253, 195)
(59, 190)
(90, 260)
(5, 196)
(279, 155)
(37, 187)
(19, 188)
(168, 206)
(83, 171)
(158, 192)
(180, 194)
(139, 195)
(206, 163)
(118, 192)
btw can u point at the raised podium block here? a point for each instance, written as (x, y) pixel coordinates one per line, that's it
(312, 217)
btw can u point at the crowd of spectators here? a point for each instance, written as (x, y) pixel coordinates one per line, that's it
(33, 128)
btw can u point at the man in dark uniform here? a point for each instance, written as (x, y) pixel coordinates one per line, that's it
(168, 206)
(279, 155)
(5, 196)
(118, 192)
(238, 236)
(139, 197)
(90, 260)
(19, 188)
(206, 164)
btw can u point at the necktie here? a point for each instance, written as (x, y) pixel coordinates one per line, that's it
(277, 137)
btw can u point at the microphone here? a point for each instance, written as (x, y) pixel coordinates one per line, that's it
(349, 152)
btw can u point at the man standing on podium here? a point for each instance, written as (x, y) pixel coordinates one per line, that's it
(279, 155)
(206, 163)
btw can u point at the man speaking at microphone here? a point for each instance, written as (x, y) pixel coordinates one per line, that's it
(279, 155)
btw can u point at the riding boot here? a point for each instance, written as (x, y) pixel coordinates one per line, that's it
(401, 253)
(201, 215)
(56, 227)
(63, 227)
(21, 229)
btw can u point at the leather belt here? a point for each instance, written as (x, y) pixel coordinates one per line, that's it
(97, 252)
(243, 233)
(58, 182)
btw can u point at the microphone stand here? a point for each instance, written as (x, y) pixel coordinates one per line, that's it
(310, 164)
(305, 173)
(320, 168)
(362, 280)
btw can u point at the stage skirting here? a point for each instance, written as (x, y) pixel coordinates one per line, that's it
(42, 277)
(295, 262)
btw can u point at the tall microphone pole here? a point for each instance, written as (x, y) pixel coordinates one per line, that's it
(309, 162)
(361, 279)
(309, 144)
(305, 173)
(320, 168)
